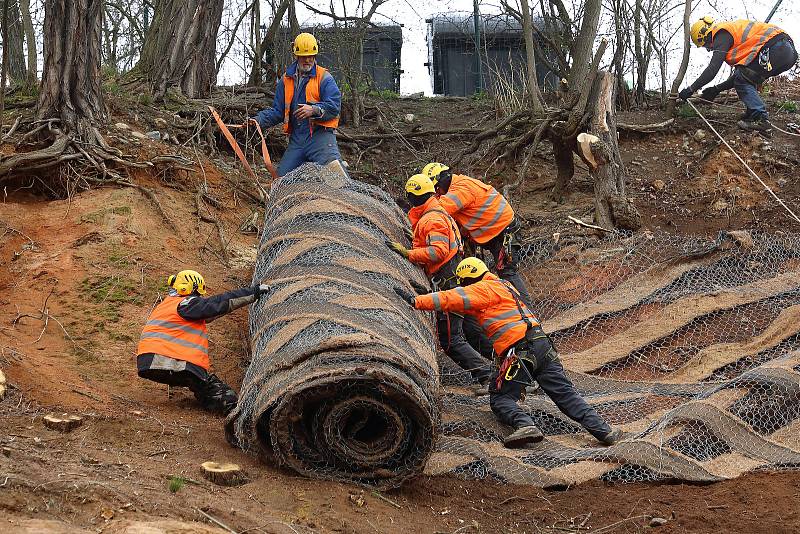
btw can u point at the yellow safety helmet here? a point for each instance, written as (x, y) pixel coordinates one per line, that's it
(470, 268)
(187, 282)
(419, 184)
(305, 44)
(700, 30)
(433, 169)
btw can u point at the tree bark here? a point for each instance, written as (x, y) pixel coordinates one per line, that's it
(180, 48)
(583, 45)
(534, 95)
(261, 48)
(71, 82)
(687, 47)
(30, 39)
(612, 207)
(15, 49)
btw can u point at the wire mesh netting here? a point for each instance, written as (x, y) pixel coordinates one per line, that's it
(344, 381)
(690, 345)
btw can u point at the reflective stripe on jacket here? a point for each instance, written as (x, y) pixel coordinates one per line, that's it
(491, 302)
(478, 207)
(436, 237)
(749, 37)
(312, 97)
(168, 334)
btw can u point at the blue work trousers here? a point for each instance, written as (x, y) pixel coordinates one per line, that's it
(303, 147)
(746, 79)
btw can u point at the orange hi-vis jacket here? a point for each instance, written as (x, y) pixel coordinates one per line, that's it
(168, 334)
(478, 207)
(493, 305)
(749, 37)
(312, 97)
(436, 237)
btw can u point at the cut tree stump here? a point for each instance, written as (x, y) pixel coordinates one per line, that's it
(62, 423)
(223, 474)
(2, 385)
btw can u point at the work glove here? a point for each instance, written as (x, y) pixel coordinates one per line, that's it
(685, 94)
(260, 289)
(709, 93)
(419, 288)
(397, 247)
(406, 296)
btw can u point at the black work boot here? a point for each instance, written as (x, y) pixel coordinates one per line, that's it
(522, 436)
(612, 437)
(755, 124)
(216, 396)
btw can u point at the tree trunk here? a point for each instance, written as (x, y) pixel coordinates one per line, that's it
(15, 49)
(612, 207)
(180, 48)
(256, 74)
(533, 86)
(30, 39)
(687, 47)
(584, 44)
(71, 82)
(294, 25)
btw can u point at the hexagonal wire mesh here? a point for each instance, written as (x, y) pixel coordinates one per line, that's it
(344, 382)
(688, 344)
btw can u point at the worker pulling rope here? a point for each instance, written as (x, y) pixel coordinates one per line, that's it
(756, 176)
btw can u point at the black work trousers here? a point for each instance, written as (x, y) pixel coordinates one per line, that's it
(505, 256)
(212, 393)
(453, 341)
(550, 375)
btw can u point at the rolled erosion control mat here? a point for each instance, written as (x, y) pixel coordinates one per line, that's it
(343, 382)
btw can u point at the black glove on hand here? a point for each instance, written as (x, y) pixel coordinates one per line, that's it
(260, 289)
(419, 288)
(709, 93)
(686, 93)
(406, 296)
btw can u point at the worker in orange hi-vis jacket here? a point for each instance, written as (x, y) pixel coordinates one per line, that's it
(436, 247)
(485, 216)
(524, 352)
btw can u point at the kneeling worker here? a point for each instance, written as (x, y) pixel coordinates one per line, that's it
(524, 352)
(173, 348)
(437, 248)
(756, 51)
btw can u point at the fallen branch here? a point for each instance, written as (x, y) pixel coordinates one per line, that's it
(646, 128)
(217, 521)
(587, 225)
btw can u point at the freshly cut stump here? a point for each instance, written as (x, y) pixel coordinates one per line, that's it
(223, 474)
(62, 423)
(343, 383)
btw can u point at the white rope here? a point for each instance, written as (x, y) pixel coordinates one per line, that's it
(771, 192)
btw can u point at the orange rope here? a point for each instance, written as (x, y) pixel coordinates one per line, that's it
(224, 128)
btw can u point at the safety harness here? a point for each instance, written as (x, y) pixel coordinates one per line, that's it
(517, 355)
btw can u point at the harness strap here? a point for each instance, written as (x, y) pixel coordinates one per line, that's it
(513, 291)
(224, 128)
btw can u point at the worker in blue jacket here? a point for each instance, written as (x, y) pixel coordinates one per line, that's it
(308, 103)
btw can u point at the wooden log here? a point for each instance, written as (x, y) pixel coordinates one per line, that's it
(62, 423)
(223, 474)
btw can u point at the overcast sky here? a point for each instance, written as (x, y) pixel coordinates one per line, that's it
(412, 14)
